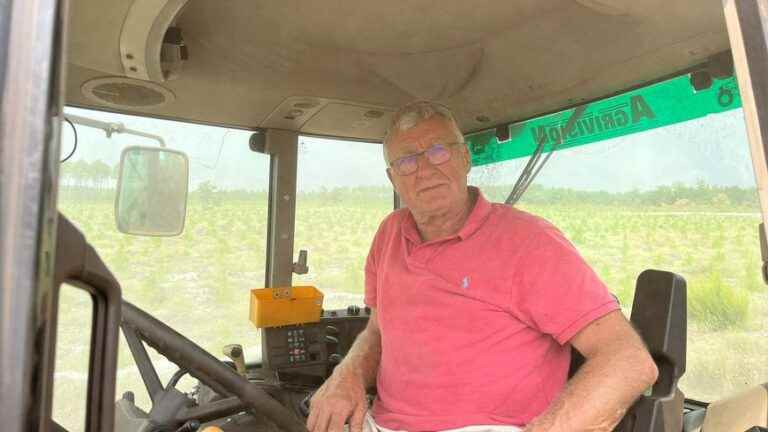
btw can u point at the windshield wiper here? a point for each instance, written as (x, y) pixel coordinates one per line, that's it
(533, 167)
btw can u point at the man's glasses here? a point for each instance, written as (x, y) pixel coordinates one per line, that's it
(438, 154)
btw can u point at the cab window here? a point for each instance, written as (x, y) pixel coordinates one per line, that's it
(343, 195)
(198, 282)
(680, 198)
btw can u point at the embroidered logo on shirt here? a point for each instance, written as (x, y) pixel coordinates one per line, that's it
(465, 282)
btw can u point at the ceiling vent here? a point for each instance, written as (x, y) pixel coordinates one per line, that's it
(126, 93)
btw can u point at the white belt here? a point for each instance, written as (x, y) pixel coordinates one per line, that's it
(369, 425)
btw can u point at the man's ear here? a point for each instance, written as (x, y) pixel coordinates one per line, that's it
(389, 176)
(467, 159)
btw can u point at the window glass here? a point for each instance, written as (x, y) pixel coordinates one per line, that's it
(73, 349)
(680, 198)
(343, 195)
(198, 282)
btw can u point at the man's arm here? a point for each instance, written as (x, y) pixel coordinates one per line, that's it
(342, 396)
(617, 370)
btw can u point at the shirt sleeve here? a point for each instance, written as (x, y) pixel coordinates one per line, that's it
(554, 290)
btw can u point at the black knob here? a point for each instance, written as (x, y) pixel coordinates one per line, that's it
(129, 397)
(334, 313)
(353, 310)
(190, 426)
(304, 405)
(367, 310)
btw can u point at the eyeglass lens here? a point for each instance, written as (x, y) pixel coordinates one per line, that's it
(436, 155)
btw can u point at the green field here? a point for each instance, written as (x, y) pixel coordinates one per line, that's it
(199, 282)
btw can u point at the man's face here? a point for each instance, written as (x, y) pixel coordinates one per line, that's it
(431, 188)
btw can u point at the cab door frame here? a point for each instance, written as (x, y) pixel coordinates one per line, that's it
(747, 23)
(32, 266)
(31, 92)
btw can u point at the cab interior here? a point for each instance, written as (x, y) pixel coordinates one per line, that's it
(278, 73)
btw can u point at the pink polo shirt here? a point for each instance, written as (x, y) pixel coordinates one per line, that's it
(475, 327)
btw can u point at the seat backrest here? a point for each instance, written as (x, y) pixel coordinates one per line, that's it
(659, 316)
(738, 413)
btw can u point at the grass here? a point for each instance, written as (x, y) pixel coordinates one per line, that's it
(199, 282)
(717, 305)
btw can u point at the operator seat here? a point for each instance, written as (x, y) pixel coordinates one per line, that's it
(659, 316)
(737, 413)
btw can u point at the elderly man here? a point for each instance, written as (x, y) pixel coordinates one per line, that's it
(475, 309)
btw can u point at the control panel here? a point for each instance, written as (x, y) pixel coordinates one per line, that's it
(313, 348)
(297, 347)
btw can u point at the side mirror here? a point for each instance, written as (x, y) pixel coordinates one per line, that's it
(152, 191)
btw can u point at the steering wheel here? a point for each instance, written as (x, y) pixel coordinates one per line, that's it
(238, 392)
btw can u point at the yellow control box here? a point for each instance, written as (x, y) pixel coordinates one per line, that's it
(272, 307)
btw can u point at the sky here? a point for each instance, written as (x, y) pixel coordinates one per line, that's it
(712, 149)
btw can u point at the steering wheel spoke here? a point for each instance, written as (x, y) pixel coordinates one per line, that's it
(139, 326)
(143, 363)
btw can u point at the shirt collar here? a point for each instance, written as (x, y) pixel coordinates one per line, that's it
(410, 231)
(477, 216)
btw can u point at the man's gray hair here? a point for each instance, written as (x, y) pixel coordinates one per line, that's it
(413, 113)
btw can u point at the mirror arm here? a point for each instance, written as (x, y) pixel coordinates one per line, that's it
(157, 138)
(110, 128)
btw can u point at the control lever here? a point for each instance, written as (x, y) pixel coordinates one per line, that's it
(235, 353)
(333, 361)
(304, 405)
(300, 266)
(190, 426)
(129, 397)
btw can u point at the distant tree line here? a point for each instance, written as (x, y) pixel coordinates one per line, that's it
(675, 195)
(82, 174)
(97, 180)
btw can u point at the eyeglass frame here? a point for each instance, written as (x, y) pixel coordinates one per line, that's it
(448, 146)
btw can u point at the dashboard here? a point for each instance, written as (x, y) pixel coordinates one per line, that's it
(296, 359)
(313, 349)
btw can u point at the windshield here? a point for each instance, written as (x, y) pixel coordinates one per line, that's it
(679, 197)
(198, 282)
(344, 194)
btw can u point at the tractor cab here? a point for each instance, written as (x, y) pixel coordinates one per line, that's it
(190, 190)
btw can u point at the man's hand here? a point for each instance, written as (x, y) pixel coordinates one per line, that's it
(341, 397)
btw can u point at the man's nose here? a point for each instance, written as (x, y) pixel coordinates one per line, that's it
(423, 166)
